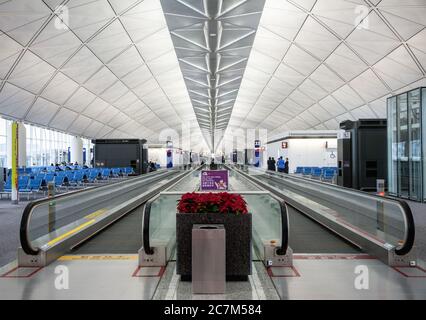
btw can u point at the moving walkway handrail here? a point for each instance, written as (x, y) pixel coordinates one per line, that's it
(147, 218)
(284, 225)
(407, 213)
(29, 209)
(146, 221)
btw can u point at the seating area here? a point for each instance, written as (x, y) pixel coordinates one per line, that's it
(326, 174)
(34, 180)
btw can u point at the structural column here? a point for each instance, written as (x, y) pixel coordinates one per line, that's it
(22, 145)
(17, 151)
(76, 150)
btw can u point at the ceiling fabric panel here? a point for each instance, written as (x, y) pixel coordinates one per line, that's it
(213, 40)
(132, 68)
(104, 68)
(346, 57)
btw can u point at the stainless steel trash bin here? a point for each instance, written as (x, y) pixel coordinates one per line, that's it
(208, 259)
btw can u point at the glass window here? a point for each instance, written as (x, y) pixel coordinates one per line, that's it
(415, 135)
(403, 146)
(392, 146)
(423, 114)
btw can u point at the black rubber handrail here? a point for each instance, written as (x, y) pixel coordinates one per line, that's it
(285, 229)
(410, 230)
(146, 244)
(282, 251)
(146, 221)
(23, 229)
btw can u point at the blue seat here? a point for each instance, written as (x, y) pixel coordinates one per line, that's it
(129, 170)
(79, 177)
(299, 170)
(328, 175)
(59, 181)
(105, 173)
(116, 172)
(23, 182)
(40, 176)
(93, 175)
(8, 185)
(316, 173)
(306, 171)
(33, 186)
(49, 177)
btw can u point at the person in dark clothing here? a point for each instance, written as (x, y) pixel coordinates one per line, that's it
(269, 162)
(213, 166)
(273, 162)
(286, 166)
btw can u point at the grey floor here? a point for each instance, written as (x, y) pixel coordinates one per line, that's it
(10, 218)
(118, 277)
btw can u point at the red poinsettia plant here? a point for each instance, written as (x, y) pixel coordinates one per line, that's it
(222, 202)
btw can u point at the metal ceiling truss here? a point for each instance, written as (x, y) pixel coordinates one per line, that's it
(213, 40)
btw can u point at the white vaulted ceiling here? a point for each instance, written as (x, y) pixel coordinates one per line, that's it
(315, 63)
(114, 71)
(108, 70)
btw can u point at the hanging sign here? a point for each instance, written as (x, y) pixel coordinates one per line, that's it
(169, 154)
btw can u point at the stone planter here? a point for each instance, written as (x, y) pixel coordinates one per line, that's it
(238, 242)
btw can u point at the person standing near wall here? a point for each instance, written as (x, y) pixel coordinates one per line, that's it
(280, 164)
(269, 162)
(273, 162)
(286, 166)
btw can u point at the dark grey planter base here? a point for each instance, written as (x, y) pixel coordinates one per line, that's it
(228, 278)
(238, 243)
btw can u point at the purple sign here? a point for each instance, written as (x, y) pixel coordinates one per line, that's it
(214, 180)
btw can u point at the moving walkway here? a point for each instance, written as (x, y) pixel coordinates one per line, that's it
(51, 227)
(382, 227)
(104, 251)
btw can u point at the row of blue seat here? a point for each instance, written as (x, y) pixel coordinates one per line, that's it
(37, 169)
(36, 182)
(321, 173)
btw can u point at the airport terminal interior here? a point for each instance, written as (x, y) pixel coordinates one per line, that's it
(212, 149)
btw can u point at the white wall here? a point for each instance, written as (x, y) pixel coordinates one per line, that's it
(310, 152)
(159, 155)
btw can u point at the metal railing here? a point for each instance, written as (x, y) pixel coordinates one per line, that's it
(147, 218)
(48, 221)
(386, 222)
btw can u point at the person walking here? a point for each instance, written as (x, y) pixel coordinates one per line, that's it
(269, 162)
(281, 164)
(286, 166)
(273, 162)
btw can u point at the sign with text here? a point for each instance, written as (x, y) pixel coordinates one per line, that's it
(212, 180)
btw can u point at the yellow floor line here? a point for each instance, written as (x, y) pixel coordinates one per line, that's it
(63, 236)
(99, 257)
(95, 214)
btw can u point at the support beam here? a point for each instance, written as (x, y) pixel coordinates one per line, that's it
(76, 150)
